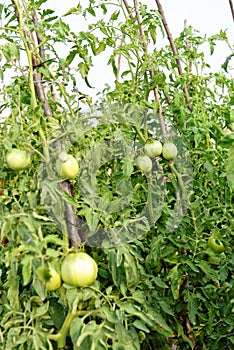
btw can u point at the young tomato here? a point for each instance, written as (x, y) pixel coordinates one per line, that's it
(153, 149)
(68, 168)
(169, 151)
(79, 269)
(17, 159)
(50, 277)
(144, 163)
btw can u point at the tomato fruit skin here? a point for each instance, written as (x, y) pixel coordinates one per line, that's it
(215, 245)
(79, 269)
(17, 159)
(169, 151)
(153, 149)
(54, 281)
(144, 163)
(69, 168)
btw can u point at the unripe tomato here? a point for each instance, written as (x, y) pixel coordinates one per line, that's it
(169, 151)
(215, 245)
(79, 269)
(144, 163)
(17, 159)
(54, 281)
(68, 168)
(153, 149)
(50, 277)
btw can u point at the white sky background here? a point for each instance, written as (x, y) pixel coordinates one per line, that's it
(206, 16)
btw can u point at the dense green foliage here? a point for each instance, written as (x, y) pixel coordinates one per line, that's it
(158, 280)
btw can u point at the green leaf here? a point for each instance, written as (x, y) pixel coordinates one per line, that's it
(13, 286)
(101, 47)
(73, 11)
(176, 279)
(141, 325)
(131, 271)
(70, 57)
(114, 15)
(27, 269)
(159, 282)
(192, 308)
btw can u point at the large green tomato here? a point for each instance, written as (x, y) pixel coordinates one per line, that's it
(68, 168)
(79, 269)
(153, 149)
(215, 245)
(17, 159)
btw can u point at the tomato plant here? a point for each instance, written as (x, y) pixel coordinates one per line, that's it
(144, 221)
(79, 269)
(17, 159)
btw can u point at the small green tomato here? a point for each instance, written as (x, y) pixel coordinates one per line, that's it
(68, 168)
(144, 163)
(153, 149)
(169, 151)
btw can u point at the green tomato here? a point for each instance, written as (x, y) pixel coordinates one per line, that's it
(68, 168)
(54, 281)
(50, 277)
(144, 163)
(215, 245)
(79, 269)
(153, 149)
(17, 159)
(169, 151)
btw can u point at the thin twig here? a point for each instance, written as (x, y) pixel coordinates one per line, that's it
(232, 8)
(174, 50)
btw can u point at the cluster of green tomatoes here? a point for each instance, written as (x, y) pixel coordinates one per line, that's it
(78, 269)
(155, 149)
